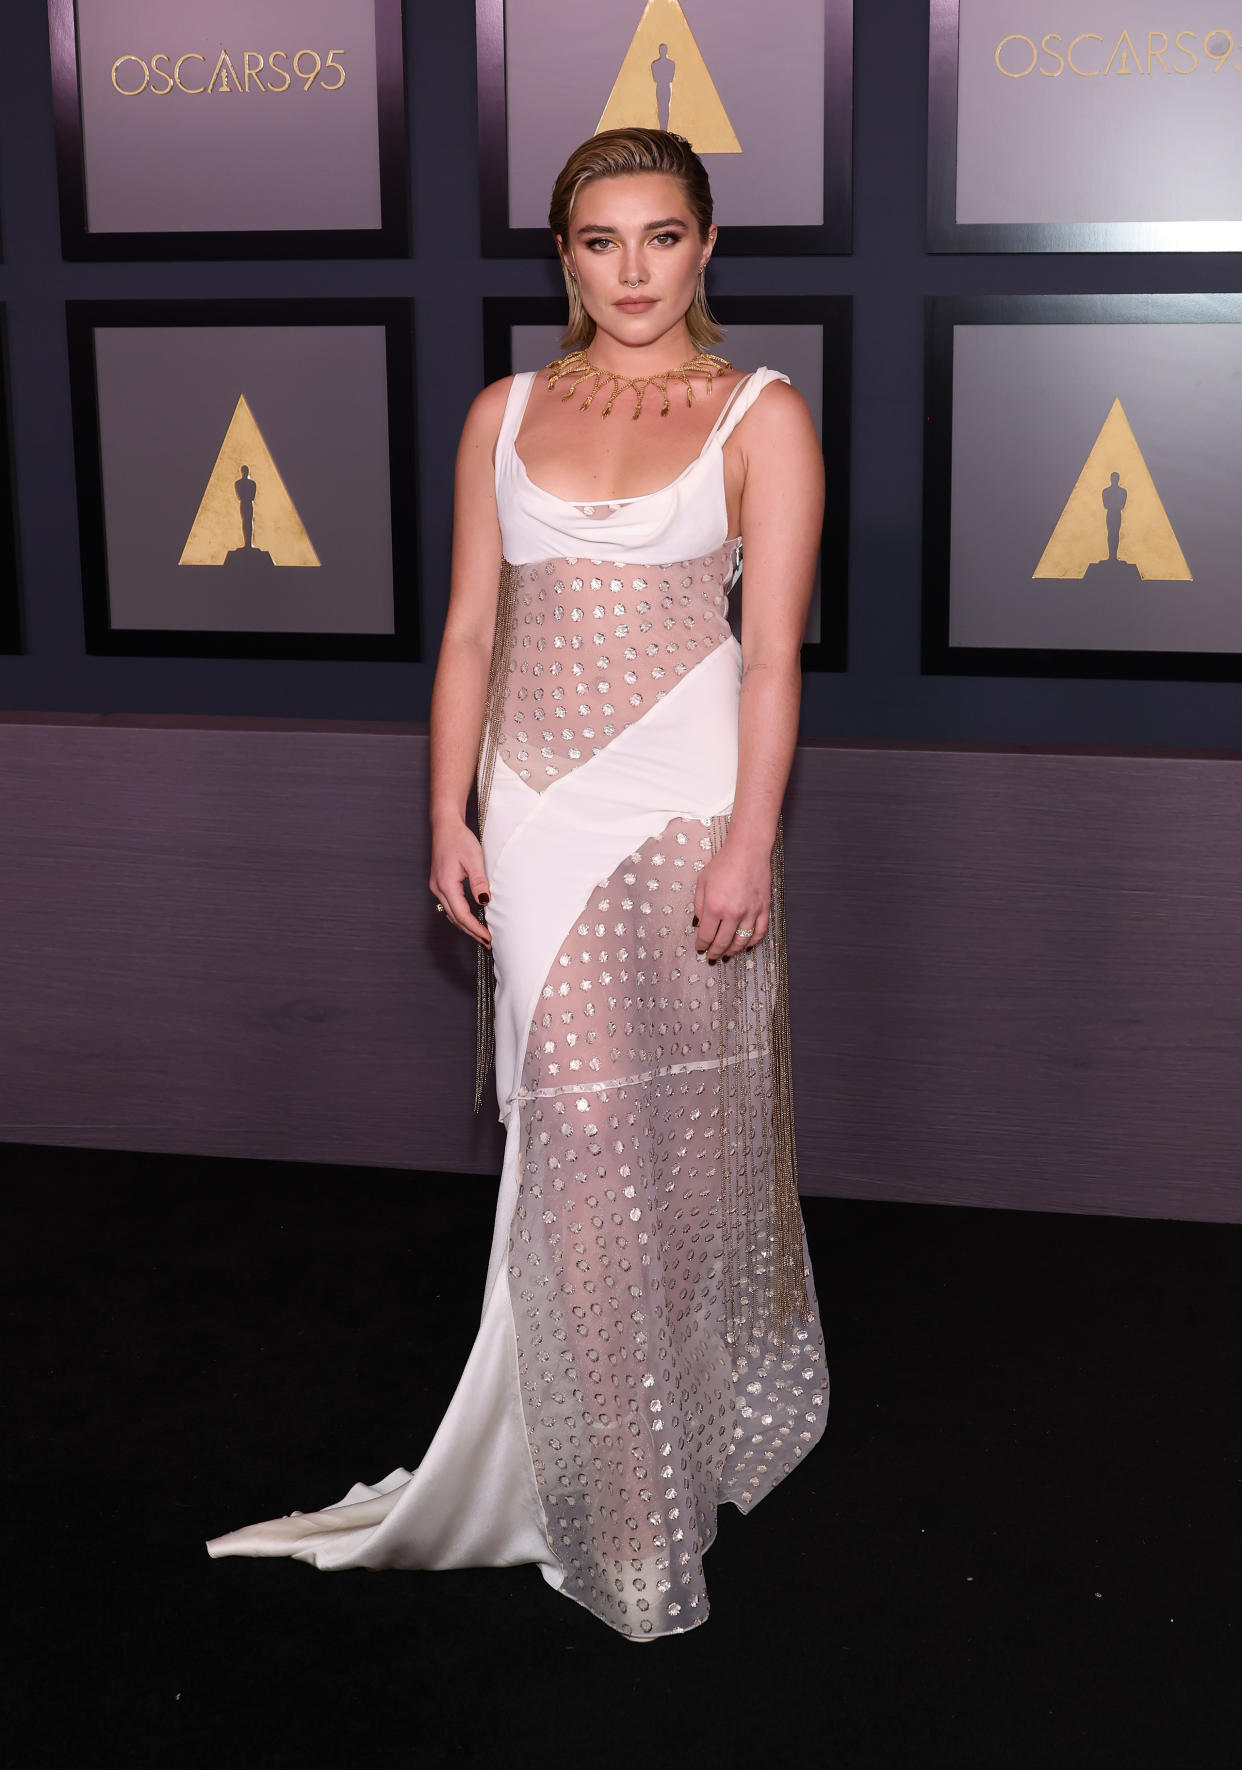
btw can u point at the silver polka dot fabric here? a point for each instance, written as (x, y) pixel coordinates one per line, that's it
(640, 1413)
(597, 645)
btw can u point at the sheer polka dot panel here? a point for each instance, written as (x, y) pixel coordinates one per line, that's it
(595, 646)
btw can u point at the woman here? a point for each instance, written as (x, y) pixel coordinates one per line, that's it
(649, 1343)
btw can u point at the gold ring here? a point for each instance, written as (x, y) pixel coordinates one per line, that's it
(745, 933)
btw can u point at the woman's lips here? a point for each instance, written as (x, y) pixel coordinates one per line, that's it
(639, 304)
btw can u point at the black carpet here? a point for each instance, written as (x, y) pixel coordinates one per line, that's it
(1015, 1546)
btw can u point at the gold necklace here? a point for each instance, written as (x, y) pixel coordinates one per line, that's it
(579, 363)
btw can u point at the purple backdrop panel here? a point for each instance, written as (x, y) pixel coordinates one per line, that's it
(760, 80)
(1106, 113)
(1159, 405)
(256, 117)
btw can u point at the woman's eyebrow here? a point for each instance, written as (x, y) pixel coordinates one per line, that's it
(590, 227)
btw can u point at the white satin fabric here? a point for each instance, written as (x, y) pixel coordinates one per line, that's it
(683, 520)
(472, 1501)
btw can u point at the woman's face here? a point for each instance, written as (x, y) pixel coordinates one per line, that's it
(635, 249)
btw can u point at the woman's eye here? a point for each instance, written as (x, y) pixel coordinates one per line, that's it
(591, 244)
(667, 239)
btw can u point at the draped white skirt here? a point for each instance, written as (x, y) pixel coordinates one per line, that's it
(602, 1413)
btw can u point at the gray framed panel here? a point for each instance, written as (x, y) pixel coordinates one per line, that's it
(10, 580)
(764, 94)
(246, 475)
(276, 131)
(1080, 506)
(809, 338)
(1101, 129)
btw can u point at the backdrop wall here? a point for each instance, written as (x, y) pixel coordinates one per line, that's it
(881, 696)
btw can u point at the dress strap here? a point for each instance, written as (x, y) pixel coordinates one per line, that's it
(739, 403)
(514, 412)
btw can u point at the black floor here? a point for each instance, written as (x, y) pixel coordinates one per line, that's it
(1015, 1546)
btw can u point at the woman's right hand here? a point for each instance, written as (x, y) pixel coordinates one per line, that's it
(457, 856)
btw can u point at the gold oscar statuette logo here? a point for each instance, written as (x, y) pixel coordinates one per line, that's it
(664, 84)
(246, 518)
(1114, 528)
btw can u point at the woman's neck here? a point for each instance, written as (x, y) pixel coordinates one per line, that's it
(669, 351)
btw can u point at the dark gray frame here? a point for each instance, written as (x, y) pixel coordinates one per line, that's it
(835, 315)
(397, 318)
(943, 313)
(833, 235)
(10, 562)
(390, 240)
(945, 233)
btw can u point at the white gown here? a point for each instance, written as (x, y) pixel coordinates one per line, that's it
(607, 1407)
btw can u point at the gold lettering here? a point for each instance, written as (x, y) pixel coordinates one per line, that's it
(1221, 58)
(1047, 48)
(160, 91)
(131, 91)
(1124, 44)
(273, 69)
(161, 75)
(223, 68)
(297, 68)
(191, 55)
(1017, 37)
(1083, 37)
(1194, 59)
(1157, 54)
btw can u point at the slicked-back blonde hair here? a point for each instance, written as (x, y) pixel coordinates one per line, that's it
(614, 153)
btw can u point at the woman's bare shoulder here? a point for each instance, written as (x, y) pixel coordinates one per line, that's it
(486, 414)
(487, 408)
(779, 395)
(777, 412)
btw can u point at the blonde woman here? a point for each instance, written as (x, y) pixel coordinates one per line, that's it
(650, 1342)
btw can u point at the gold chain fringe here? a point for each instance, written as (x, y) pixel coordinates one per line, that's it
(579, 363)
(761, 1218)
(485, 768)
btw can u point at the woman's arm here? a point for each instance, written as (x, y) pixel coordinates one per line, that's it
(782, 520)
(460, 689)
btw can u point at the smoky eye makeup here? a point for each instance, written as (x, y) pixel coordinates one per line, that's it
(669, 236)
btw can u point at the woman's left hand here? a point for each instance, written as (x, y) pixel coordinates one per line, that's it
(734, 891)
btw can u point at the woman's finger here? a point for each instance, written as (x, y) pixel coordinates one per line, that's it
(722, 938)
(458, 911)
(706, 932)
(757, 929)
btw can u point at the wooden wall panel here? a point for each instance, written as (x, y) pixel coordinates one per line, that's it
(1014, 973)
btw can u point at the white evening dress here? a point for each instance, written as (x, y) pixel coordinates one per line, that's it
(611, 1400)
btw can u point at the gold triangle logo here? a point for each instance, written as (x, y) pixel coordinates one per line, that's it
(246, 504)
(664, 84)
(1114, 515)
